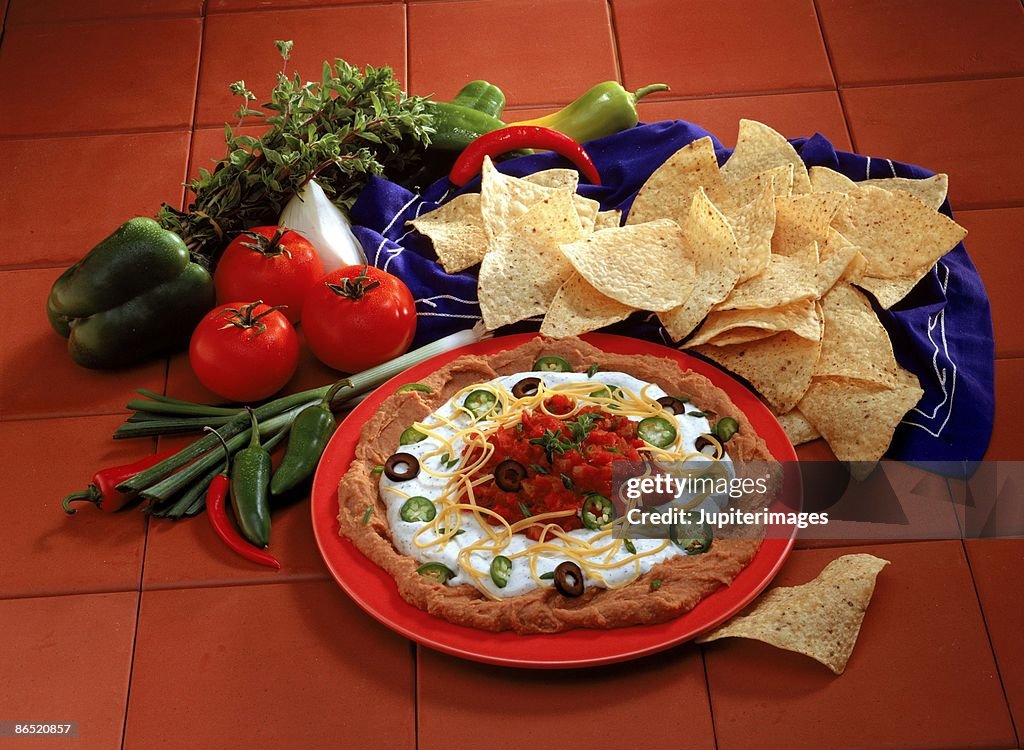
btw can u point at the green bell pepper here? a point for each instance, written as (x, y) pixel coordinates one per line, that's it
(137, 293)
(482, 96)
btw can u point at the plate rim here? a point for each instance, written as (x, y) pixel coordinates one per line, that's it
(771, 555)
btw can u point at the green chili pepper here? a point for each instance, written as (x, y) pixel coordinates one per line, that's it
(307, 440)
(501, 571)
(480, 402)
(410, 435)
(135, 294)
(438, 571)
(551, 364)
(597, 511)
(250, 482)
(417, 509)
(699, 540)
(482, 96)
(605, 109)
(415, 387)
(456, 127)
(657, 431)
(725, 428)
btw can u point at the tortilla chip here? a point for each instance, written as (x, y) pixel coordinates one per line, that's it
(820, 619)
(555, 178)
(740, 192)
(752, 222)
(608, 219)
(785, 280)
(858, 418)
(578, 308)
(797, 428)
(840, 263)
(759, 148)
(504, 199)
(668, 192)
(645, 266)
(887, 292)
(825, 180)
(456, 231)
(931, 191)
(712, 247)
(900, 236)
(779, 367)
(524, 268)
(804, 219)
(854, 344)
(738, 335)
(587, 210)
(799, 317)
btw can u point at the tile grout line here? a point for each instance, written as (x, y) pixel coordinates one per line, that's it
(991, 645)
(835, 77)
(707, 689)
(616, 48)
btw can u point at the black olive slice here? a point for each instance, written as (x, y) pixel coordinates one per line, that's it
(526, 387)
(509, 475)
(569, 579)
(401, 467)
(706, 446)
(673, 404)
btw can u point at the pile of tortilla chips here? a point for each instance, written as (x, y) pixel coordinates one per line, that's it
(758, 265)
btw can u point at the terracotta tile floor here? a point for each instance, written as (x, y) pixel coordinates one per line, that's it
(149, 635)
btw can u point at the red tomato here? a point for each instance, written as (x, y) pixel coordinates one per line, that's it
(244, 351)
(272, 264)
(357, 317)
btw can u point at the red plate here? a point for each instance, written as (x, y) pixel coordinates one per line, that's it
(375, 591)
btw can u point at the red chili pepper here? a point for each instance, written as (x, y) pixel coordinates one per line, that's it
(103, 492)
(216, 509)
(516, 137)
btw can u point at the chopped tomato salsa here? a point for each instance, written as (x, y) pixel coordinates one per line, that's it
(566, 459)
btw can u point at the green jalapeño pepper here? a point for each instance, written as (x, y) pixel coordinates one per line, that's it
(135, 294)
(250, 480)
(307, 440)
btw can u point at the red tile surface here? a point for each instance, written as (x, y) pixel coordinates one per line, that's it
(567, 50)
(922, 655)
(241, 47)
(970, 126)
(998, 569)
(37, 377)
(92, 184)
(228, 6)
(67, 659)
(729, 46)
(142, 74)
(878, 41)
(793, 115)
(51, 11)
(46, 551)
(267, 666)
(659, 701)
(1006, 444)
(993, 242)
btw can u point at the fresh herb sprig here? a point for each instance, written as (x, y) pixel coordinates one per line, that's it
(341, 129)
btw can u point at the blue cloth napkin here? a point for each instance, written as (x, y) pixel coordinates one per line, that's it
(942, 331)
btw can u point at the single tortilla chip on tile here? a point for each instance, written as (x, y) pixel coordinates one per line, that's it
(718, 261)
(779, 367)
(785, 280)
(820, 619)
(503, 199)
(668, 192)
(525, 267)
(899, 236)
(456, 231)
(855, 344)
(931, 191)
(797, 428)
(645, 266)
(857, 417)
(759, 148)
(578, 308)
(608, 219)
(800, 317)
(804, 219)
